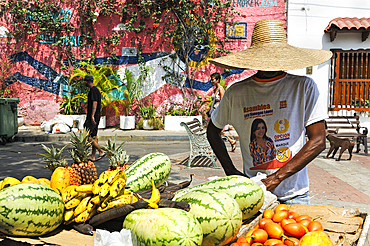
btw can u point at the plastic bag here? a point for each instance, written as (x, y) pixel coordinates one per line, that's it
(122, 238)
(47, 126)
(269, 197)
(60, 128)
(66, 119)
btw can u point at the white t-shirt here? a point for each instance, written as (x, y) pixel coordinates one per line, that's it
(287, 105)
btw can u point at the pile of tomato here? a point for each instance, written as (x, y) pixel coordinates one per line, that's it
(281, 227)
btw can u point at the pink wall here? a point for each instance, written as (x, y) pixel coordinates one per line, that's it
(37, 69)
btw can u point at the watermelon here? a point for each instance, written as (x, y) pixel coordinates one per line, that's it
(164, 227)
(153, 165)
(218, 214)
(248, 194)
(30, 209)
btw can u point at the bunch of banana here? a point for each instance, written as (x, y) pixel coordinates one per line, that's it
(77, 203)
(83, 201)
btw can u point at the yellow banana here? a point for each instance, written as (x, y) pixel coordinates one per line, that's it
(104, 202)
(85, 215)
(96, 187)
(74, 202)
(151, 204)
(9, 181)
(68, 214)
(95, 200)
(156, 195)
(1, 184)
(119, 201)
(82, 217)
(82, 206)
(116, 174)
(104, 190)
(67, 193)
(116, 187)
(113, 176)
(87, 188)
(104, 176)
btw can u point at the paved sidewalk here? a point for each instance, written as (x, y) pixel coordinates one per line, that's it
(332, 183)
(35, 134)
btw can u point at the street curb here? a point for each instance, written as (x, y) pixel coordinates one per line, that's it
(66, 138)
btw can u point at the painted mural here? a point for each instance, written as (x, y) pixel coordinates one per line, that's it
(37, 79)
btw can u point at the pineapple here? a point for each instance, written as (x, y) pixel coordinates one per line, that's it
(85, 170)
(116, 154)
(54, 159)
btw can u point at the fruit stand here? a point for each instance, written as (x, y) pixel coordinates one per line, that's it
(69, 208)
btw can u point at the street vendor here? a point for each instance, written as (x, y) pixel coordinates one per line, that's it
(272, 112)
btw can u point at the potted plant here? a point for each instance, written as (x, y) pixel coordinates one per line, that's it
(132, 90)
(176, 114)
(149, 120)
(105, 81)
(72, 105)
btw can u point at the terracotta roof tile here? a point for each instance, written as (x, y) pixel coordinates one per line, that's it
(348, 23)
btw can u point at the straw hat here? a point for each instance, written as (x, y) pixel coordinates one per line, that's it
(270, 51)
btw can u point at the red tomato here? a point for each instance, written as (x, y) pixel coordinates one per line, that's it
(256, 244)
(268, 213)
(305, 222)
(315, 226)
(281, 207)
(294, 230)
(259, 236)
(263, 221)
(244, 244)
(293, 215)
(287, 221)
(234, 244)
(242, 240)
(291, 241)
(272, 242)
(280, 215)
(303, 217)
(274, 230)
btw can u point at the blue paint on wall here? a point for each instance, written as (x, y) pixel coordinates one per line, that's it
(43, 84)
(51, 85)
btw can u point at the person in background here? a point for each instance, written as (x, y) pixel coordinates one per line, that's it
(93, 116)
(289, 104)
(217, 95)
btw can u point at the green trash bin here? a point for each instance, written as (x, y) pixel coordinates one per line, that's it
(8, 118)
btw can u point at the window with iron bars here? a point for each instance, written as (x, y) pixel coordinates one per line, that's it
(349, 80)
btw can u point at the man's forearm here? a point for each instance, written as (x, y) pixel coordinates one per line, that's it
(219, 148)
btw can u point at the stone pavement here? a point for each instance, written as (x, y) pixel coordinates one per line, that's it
(332, 183)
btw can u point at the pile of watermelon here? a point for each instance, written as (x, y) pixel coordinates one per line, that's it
(217, 208)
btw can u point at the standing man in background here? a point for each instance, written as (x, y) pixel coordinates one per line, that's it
(287, 104)
(93, 116)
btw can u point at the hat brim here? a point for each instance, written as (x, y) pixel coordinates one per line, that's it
(273, 57)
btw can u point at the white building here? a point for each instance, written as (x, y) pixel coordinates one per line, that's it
(306, 24)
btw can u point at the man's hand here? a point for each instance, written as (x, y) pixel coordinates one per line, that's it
(93, 120)
(271, 182)
(314, 146)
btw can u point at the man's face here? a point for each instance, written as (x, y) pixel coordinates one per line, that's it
(87, 83)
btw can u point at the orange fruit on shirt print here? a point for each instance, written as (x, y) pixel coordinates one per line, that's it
(283, 154)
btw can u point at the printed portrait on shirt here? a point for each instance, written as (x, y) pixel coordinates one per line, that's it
(262, 148)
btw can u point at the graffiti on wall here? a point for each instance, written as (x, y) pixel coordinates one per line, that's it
(254, 3)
